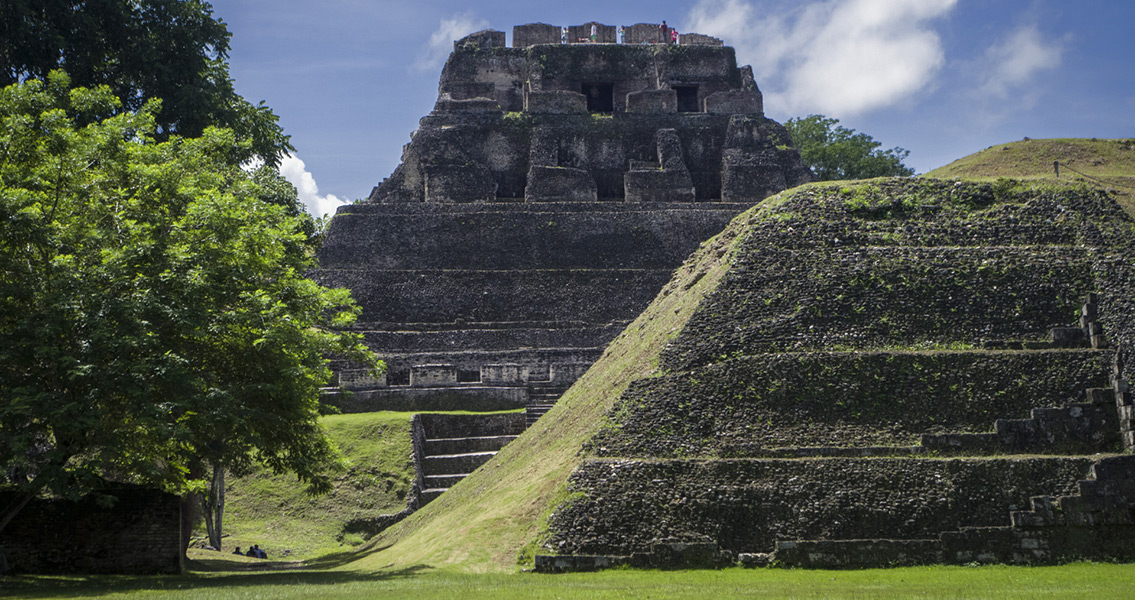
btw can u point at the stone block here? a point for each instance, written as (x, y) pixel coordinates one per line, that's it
(468, 105)
(658, 185)
(670, 156)
(566, 373)
(750, 180)
(459, 183)
(433, 375)
(555, 102)
(1069, 337)
(734, 102)
(535, 33)
(559, 184)
(698, 39)
(604, 34)
(360, 379)
(652, 102)
(487, 38)
(562, 564)
(1100, 395)
(466, 90)
(504, 374)
(647, 33)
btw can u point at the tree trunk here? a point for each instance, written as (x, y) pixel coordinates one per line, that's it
(189, 506)
(214, 504)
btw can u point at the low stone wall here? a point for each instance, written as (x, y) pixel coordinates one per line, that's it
(488, 337)
(546, 236)
(595, 295)
(743, 407)
(458, 426)
(466, 397)
(624, 506)
(903, 262)
(131, 530)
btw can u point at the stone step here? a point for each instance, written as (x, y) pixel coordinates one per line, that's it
(534, 411)
(443, 481)
(455, 463)
(961, 442)
(429, 495)
(466, 445)
(1100, 396)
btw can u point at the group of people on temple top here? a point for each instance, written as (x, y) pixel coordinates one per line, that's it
(255, 552)
(621, 38)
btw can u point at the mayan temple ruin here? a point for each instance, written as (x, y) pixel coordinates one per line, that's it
(539, 207)
(885, 372)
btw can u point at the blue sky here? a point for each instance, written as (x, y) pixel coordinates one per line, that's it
(941, 78)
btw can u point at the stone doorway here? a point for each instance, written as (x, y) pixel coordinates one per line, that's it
(600, 97)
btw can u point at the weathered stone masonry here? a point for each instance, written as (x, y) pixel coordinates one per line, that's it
(530, 220)
(538, 209)
(864, 334)
(130, 530)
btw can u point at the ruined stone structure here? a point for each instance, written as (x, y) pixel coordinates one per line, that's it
(541, 205)
(890, 372)
(122, 530)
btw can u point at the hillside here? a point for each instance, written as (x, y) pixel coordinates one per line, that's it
(1106, 163)
(276, 513)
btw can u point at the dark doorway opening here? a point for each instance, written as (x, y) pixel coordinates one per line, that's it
(687, 98)
(600, 97)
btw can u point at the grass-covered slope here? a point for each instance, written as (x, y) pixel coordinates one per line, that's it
(276, 513)
(1108, 163)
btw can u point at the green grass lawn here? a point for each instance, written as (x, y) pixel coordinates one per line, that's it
(1083, 580)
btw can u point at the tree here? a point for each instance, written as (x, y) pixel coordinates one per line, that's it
(143, 49)
(834, 152)
(154, 315)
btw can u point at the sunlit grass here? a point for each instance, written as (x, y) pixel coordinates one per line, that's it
(1082, 580)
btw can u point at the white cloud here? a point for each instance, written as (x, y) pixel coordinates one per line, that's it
(1016, 61)
(295, 171)
(439, 46)
(837, 57)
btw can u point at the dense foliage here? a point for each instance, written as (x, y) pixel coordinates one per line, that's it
(154, 313)
(143, 49)
(834, 152)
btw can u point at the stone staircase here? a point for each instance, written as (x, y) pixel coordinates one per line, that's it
(542, 396)
(1096, 523)
(447, 448)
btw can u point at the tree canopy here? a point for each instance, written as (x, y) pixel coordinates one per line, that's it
(154, 313)
(835, 152)
(143, 49)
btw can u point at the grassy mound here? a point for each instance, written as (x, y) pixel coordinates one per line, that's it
(275, 512)
(1105, 163)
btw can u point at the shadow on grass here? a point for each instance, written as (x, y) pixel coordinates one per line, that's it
(202, 578)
